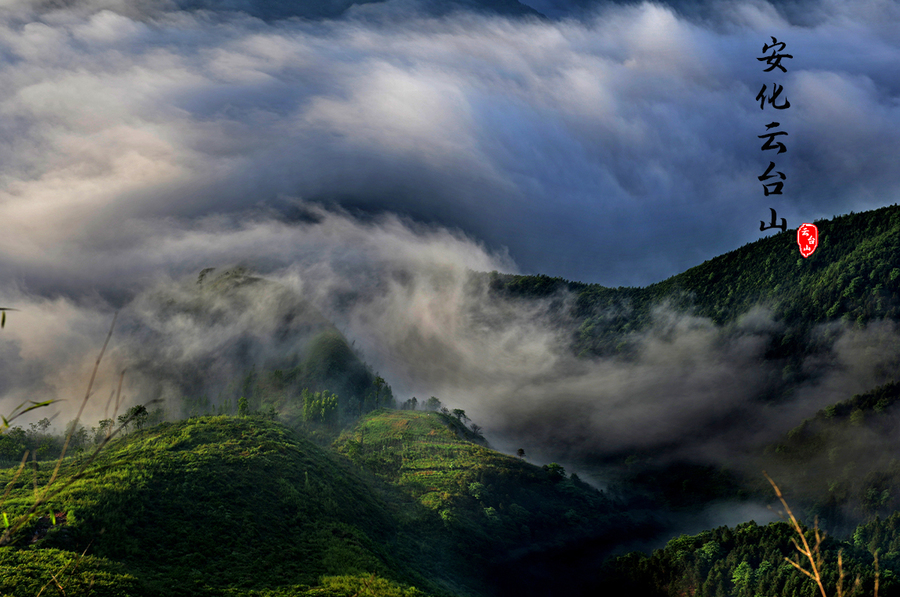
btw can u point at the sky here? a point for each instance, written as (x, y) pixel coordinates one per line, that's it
(619, 147)
(368, 162)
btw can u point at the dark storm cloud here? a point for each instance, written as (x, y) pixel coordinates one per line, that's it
(620, 148)
(141, 144)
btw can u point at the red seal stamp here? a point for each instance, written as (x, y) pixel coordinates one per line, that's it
(808, 239)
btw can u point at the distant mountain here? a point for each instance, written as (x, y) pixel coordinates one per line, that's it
(232, 334)
(843, 462)
(852, 279)
(853, 276)
(357, 499)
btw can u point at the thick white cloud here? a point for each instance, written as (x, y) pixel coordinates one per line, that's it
(140, 144)
(619, 148)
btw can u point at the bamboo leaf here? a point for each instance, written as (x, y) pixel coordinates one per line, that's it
(38, 405)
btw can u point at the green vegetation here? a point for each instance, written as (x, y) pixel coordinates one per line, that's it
(26, 573)
(815, 457)
(243, 506)
(435, 459)
(345, 497)
(852, 276)
(214, 504)
(484, 510)
(745, 560)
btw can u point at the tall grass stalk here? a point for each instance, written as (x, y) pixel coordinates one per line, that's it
(814, 554)
(51, 489)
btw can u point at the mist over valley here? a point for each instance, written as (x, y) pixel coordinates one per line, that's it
(444, 298)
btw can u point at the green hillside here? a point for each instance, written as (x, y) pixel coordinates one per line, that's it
(349, 498)
(750, 560)
(243, 506)
(526, 529)
(213, 506)
(494, 500)
(854, 275)
(843, 462)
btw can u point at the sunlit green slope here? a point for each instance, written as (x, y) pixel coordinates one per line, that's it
(243, 506)
(522, 526)
(213, 506)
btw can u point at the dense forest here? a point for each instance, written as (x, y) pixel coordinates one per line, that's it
(301, 473)
(854, 276)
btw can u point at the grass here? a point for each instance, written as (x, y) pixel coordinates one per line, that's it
(245, 506)
(486, 510)
(212, 503)
(189, 509)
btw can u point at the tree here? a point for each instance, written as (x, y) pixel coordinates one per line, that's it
(156, 416)
(39, 440)
(103, 429)
(743, 577)
(379, 384)
(319, 407)
(329, 408)
(520, 453)
(250, 388)
(79, 435)
(460, 414)
(243, 406)
(476, 429)
(478, 490)
(556, 471)
(12, 444)
(39, 427)
(137, 414)
(433, 404)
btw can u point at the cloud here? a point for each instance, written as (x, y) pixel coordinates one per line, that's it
(556, 140)
(370, 163)
(410, 299)
(177, 341)
(686, 388)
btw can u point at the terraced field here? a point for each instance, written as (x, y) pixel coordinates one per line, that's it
(431, 456)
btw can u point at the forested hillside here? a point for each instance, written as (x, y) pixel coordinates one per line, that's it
(854, 275)
(222, 505)
(243, 506)
(315, 480)
(521, 524)
(844, 460)
(750, 560)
